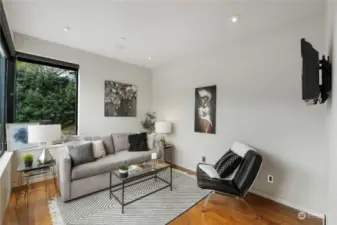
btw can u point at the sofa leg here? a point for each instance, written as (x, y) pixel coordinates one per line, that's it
(206, 201)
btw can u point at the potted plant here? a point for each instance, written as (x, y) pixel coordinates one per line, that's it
(123, 171)
(28, 159)
(163, 140)
(149, 122)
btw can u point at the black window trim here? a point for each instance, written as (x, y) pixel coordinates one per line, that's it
(8, 45)
(5, 33)
(21, 56)
(25, 57)
(12, 56)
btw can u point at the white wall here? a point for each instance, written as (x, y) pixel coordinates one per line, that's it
(258, 103)
(94, 70)
(5, 183)
(331, 23)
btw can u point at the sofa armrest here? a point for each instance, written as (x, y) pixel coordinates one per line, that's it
(65, 176)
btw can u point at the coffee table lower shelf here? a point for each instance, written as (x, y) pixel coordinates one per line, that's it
(126, 183)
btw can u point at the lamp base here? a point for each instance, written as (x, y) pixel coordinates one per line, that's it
(45, 157)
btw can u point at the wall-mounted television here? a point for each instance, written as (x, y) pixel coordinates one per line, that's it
(314, 89)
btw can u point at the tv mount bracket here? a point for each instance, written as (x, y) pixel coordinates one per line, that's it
(325, 87)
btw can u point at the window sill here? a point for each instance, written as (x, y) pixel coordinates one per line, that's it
(4, 160)
(38, 148)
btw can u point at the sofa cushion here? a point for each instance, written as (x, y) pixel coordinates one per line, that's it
(102, 165)
(136, 157)
(120, 142)
(108, 144)
(109, 163)
(81, 154)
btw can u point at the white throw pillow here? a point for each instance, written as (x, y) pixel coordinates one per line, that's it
(98, 149)
(150, 141)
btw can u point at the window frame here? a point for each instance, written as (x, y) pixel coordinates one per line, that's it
(29, 58)
(8, 47)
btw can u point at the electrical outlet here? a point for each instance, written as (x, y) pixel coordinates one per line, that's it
(203, 159)
(270, 179)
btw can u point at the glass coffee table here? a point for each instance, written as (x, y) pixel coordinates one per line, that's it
(147, 172)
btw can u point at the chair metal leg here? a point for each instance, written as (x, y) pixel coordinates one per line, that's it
(206, 201)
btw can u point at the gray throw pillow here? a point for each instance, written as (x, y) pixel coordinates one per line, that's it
(81, 154)
(108, 144)
(120, 141)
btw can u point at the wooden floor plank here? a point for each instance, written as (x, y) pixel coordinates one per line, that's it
(221, 210)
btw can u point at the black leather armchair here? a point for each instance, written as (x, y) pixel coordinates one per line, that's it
(239, 185)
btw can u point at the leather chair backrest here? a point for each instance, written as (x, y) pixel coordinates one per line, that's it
(248, 171)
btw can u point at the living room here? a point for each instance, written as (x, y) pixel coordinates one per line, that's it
(241, 59)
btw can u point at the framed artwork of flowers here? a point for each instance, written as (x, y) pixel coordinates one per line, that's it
(120, 100)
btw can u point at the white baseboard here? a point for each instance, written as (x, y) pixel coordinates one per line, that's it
(287, 203)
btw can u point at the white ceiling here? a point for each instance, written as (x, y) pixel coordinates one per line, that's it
(166, 30)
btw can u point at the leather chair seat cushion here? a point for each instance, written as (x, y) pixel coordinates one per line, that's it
(219, 185)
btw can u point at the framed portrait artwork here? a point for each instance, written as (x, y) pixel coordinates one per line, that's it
(205, 110)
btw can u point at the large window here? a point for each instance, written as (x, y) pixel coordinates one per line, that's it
(2, 98)
(46, 93)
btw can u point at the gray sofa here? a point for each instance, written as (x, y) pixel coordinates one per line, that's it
(91, 177)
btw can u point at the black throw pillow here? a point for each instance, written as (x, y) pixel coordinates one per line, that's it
(227, 164)
(138, 142)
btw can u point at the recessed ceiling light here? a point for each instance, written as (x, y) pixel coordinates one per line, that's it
(67, 29)
(150, 57)
(235, 19)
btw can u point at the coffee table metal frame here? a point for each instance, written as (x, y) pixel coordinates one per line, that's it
(125, 182)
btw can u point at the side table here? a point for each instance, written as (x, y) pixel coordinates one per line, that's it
(168, 153)
(27, 174)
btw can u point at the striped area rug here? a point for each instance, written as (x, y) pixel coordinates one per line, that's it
(158, 208)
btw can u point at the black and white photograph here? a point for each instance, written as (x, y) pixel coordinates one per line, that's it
(205, 110)
(120, 100)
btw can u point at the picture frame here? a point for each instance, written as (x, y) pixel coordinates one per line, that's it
(17, 136)
(205, 109)
(120, 99)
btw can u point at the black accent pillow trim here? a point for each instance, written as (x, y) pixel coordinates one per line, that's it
(227, 164)
(138, 142)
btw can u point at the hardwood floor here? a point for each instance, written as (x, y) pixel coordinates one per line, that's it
(224, 210)
(221, 210)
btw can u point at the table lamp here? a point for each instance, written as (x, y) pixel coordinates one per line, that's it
(163, 127)
(44, 134)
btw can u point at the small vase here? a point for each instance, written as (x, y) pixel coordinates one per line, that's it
(123, 173)
(28, 163)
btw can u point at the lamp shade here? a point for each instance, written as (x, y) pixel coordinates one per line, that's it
(44, 133)
(163, 127)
